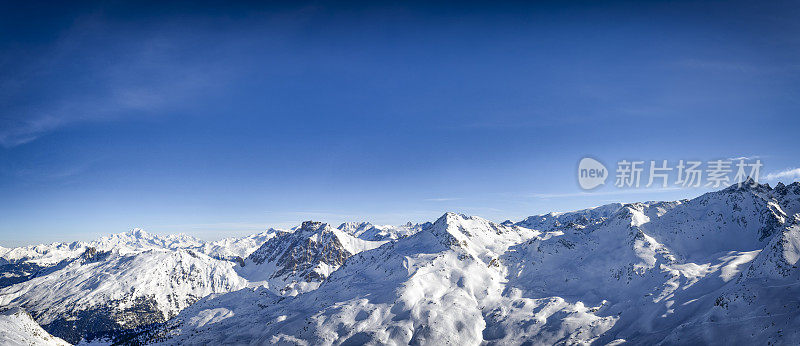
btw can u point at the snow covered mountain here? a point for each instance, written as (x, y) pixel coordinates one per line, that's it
(112, 286)
(368, 231)
(571, 220)
(24, 263)
(425, 287)
(119, 282)
(105, 291)
(17, 327)
(717, 269)
(299, 260)
(236, 249)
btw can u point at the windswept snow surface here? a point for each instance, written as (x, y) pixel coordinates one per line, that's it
(17, 327)
(717, 269)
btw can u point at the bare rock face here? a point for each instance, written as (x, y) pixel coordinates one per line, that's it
(298, 253)
(93, 255)
(299, 260)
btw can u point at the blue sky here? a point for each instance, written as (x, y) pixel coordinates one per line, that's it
(219, 120)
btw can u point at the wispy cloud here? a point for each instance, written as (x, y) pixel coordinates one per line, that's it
(27, 130)
(602, 193)
(786, 174)
(313, 214)
(745, 158)
(737, 66)
(135, 78)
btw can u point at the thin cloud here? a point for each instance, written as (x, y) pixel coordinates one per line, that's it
(443, 199)
(791, 173)
(145, 76)
(737, 66)
(745, 158)
(602, 193)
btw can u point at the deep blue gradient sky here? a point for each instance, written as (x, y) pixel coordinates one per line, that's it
(219, 120)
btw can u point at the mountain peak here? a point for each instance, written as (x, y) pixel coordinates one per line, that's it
(450, 216)
(748, 185)
(355, 228)
(452, 228)
(353, 225)
(782, 189)
(313, 226)
(137, 233)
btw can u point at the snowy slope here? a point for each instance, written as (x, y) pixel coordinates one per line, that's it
(660, 267)
(17, 327)
(717, 269)
(102, 291)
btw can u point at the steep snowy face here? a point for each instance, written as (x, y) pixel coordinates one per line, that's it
(788, 197)
(758, 305)
(103, 291)
(660, 266)
(779, 258)
(17, 327)
(299, 260)
(731, 219)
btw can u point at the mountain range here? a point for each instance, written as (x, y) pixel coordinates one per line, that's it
(720, 268)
